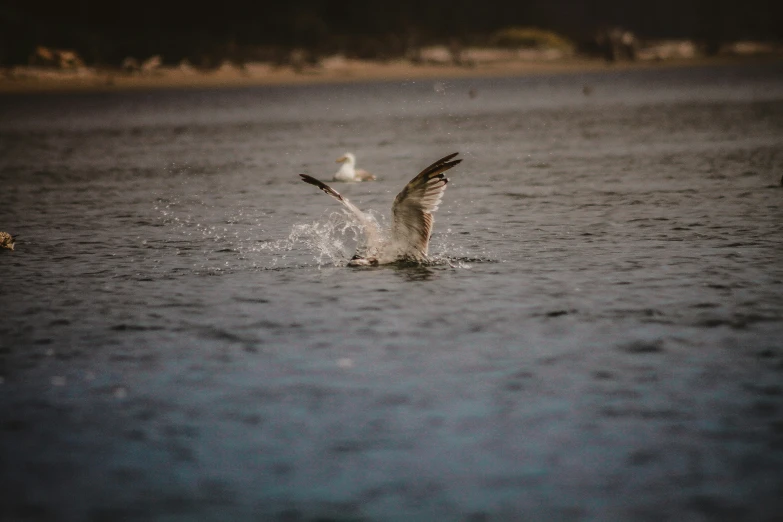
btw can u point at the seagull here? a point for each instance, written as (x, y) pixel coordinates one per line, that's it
(349, 172)
(411, 218)
(7, 240)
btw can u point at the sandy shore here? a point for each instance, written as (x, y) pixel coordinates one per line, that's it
(25, 80)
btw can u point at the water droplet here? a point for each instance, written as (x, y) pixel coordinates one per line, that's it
(345, 362)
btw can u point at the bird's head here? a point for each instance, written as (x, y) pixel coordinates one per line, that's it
(347, 158)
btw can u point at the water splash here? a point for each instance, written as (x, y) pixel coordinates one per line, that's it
(332, 240)
(329, 241)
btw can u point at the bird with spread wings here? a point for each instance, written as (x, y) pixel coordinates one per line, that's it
(411, 217)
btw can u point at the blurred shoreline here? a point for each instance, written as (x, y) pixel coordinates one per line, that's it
(29, 79)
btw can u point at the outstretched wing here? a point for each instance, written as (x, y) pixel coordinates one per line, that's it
(370, 228)
(414, 205)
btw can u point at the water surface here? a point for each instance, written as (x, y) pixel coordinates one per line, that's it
(600, 338)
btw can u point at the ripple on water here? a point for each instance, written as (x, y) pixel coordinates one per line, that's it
(602, 306)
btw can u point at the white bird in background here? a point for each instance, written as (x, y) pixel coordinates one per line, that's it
(348, 170)
(411, 218)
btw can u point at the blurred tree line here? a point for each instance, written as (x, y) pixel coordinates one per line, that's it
(105, 32)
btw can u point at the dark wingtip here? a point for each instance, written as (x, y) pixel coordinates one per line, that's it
(445, 159)
(321, 185)
(442, 161)
(440, 166)
(311, 180)
(449, 165)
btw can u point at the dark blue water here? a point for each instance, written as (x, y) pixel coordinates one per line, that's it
(600, 339)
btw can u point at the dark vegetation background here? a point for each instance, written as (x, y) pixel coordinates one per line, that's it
(105, 31)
